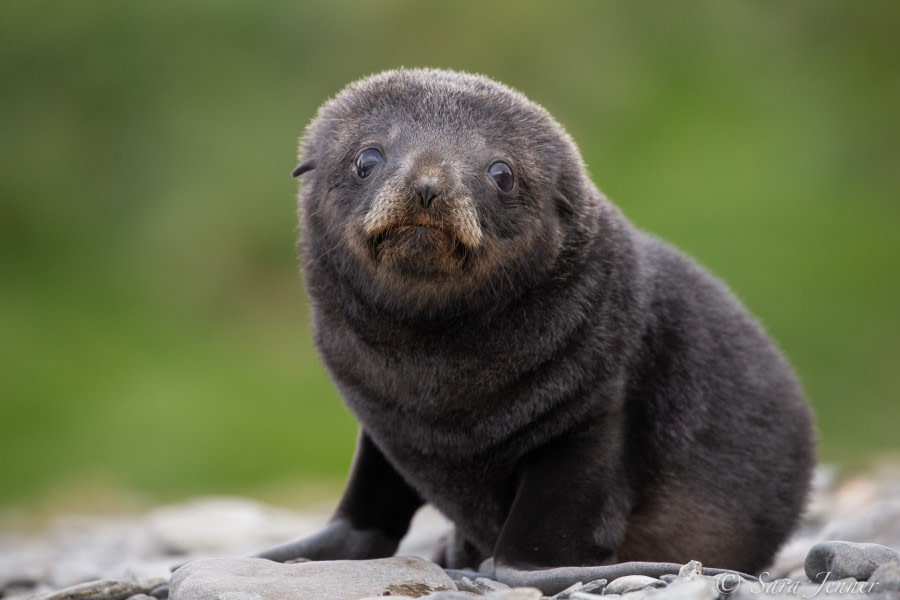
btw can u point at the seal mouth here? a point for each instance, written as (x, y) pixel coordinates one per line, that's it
(421, 240)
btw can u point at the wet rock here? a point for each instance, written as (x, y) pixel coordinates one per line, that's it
(632, 583)
(838, 560)
(221, 579)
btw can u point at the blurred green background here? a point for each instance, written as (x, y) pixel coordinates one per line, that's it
(154, 334)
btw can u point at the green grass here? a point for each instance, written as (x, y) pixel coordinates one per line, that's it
(153, 328)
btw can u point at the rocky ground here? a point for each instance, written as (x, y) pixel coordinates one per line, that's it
(97, 558)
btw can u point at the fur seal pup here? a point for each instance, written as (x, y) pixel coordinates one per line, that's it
(571, 392)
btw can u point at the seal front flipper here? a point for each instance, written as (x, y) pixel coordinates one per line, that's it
(568, 486)
(570, 502)
(371, 519)
(543, 536)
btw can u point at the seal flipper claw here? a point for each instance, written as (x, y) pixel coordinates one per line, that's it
(337, 540)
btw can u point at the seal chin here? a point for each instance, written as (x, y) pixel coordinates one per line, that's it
(419, 249)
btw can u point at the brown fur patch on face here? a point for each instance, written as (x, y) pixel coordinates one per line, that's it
(393, 208)
(396, 229)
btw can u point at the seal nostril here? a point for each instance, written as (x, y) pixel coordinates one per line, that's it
(426, 192)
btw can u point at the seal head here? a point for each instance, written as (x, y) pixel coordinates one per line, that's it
(449, 190)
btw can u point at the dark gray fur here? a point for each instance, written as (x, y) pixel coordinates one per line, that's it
(570, 392)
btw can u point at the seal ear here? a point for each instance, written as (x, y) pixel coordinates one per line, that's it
(307, 165)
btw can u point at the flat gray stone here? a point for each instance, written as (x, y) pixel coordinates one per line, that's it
(632, 583)
(839, 560)
(254, 578)
(103, 589)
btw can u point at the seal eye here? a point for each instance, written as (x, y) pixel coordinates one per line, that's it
(502, 175)
(366, 162)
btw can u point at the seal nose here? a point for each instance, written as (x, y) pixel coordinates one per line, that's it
(426, 189)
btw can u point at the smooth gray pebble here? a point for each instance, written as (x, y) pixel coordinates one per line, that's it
(838, 560)
(595, 587)
(632, 583)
